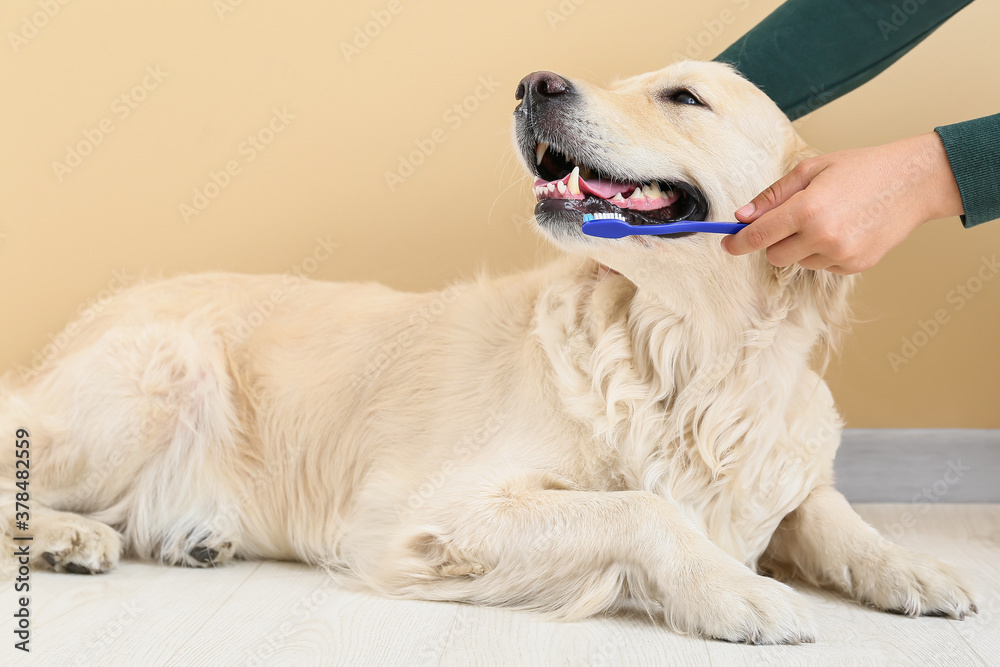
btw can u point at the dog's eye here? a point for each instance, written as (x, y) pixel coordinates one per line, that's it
(684, 96)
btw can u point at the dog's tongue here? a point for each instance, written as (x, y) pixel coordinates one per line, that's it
(606, 189)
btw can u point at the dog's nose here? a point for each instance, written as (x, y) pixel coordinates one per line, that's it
(540, 86)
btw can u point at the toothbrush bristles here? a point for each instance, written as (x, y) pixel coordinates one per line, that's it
(603, 215)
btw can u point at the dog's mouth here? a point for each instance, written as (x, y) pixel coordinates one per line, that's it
(569, 186)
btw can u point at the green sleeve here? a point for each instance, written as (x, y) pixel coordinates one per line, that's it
(810, 52)
(973, 149)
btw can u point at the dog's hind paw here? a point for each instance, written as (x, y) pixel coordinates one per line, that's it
(202, 551)
(206, 556)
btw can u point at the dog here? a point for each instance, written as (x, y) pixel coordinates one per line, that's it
(639, 424)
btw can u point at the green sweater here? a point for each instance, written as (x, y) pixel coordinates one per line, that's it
(809, 52)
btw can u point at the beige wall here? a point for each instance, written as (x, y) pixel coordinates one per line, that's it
(65, 232)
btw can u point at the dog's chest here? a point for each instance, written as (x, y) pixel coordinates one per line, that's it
(741, 511)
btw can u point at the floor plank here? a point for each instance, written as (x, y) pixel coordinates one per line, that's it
(290, 614)
(310, 620)
(484, 636)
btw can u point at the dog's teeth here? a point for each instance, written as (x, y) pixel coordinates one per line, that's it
(618, 197)
(637, 194)
(551, 187)
(652, 191)
(561, 187)
(540, 151)
(574, 181)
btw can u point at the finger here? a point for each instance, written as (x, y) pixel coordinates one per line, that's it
(850, 268)
(816, 262)
(778, 192)
(762, 233)
(790, 250)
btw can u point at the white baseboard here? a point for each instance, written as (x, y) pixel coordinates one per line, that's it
(919, 465)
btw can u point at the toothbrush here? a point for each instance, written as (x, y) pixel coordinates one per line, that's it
(612, 225)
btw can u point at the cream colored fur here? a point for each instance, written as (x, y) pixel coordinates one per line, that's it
(567, 440)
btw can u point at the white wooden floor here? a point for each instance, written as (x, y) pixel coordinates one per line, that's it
(287, 614)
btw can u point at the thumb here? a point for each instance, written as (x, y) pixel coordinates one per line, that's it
(778, 192)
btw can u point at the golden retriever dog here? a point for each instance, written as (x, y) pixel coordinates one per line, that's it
(636, 425)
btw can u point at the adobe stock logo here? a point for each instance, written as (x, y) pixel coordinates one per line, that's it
(224, 7)
(959, 297)
(454, 117)
(248, 151)
(901, 13)
(364, 34)
(698, 44)
(562, 12)
(30, 25)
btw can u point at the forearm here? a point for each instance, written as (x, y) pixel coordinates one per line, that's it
(807, 53)
(973, 149)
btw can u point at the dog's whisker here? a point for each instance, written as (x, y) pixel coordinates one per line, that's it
(489, 215)
(509, 155)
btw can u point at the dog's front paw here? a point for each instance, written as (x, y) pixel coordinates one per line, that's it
(900, 581)
(739, 606)
(75, 544)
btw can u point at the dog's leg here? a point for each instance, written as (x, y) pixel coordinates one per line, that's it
(825, 542)
(139, 432)
(65, 541)
(577, 553)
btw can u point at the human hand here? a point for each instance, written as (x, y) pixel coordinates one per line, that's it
(844, 211)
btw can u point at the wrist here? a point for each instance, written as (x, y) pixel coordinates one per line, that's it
(937, 191)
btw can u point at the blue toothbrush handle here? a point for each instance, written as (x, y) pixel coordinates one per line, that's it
(606, 228)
